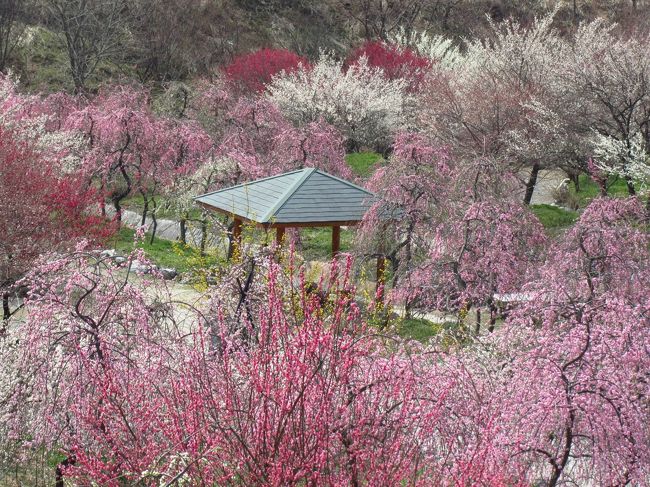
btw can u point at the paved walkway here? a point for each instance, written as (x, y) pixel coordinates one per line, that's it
(547, 182)
(166, 229)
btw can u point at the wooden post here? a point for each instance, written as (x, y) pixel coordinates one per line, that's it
(336, 240)
(236, 237)
(381, 270)
(279, 236)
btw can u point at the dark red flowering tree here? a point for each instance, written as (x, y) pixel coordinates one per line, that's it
(251, 72)
(43, 210)
(396, 62)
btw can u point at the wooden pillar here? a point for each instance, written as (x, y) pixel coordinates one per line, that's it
(236, 236)
(279, 236)
(381, 278)
(336, 240)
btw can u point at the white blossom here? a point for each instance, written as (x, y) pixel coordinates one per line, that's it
(360, 102)
(65, 147)
(439, 49)
(625, 158)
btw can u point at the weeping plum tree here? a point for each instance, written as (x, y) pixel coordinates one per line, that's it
(263, 142)
(130, 149)
(576, 403)
(457, 235)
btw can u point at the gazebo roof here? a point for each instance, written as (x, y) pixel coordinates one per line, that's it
(306, 197)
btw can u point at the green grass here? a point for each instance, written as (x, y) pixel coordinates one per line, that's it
(316, 245)
(363, 164)
(418, 329)
(164, 253)
(590, 190)
(554, 217)
(317, 242)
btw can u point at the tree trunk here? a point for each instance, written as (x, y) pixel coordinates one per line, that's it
(118, 210)
(576, 20)
(477, 330)
(574, 176)
(183, 235)
(6, 311)
(145, 209)
(630, 186)
(603, 189)
(231, 240)
(493, 316)
(530, 185)
(154, 220)
(204, 236)
(58, 478)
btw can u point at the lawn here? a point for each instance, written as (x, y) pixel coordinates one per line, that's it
(363, 164)
(164, 253)
(554, 218)
(590, 190)
(317, 242)
(418, 329)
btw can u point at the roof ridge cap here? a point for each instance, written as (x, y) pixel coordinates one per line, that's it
(307, 172)
(246, 183)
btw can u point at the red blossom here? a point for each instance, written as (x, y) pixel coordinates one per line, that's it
(253, 71)
(395, 61)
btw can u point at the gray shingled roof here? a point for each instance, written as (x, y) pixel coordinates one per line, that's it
(302, 196)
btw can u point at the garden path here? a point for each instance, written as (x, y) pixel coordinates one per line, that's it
(548, 181)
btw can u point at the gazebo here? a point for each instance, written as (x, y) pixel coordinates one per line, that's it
(302, 198)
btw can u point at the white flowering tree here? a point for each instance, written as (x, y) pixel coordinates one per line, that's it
(359, 101)
(629, 159)
(498, 96)
(38, 120)
(611, 74)
(441, 50)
